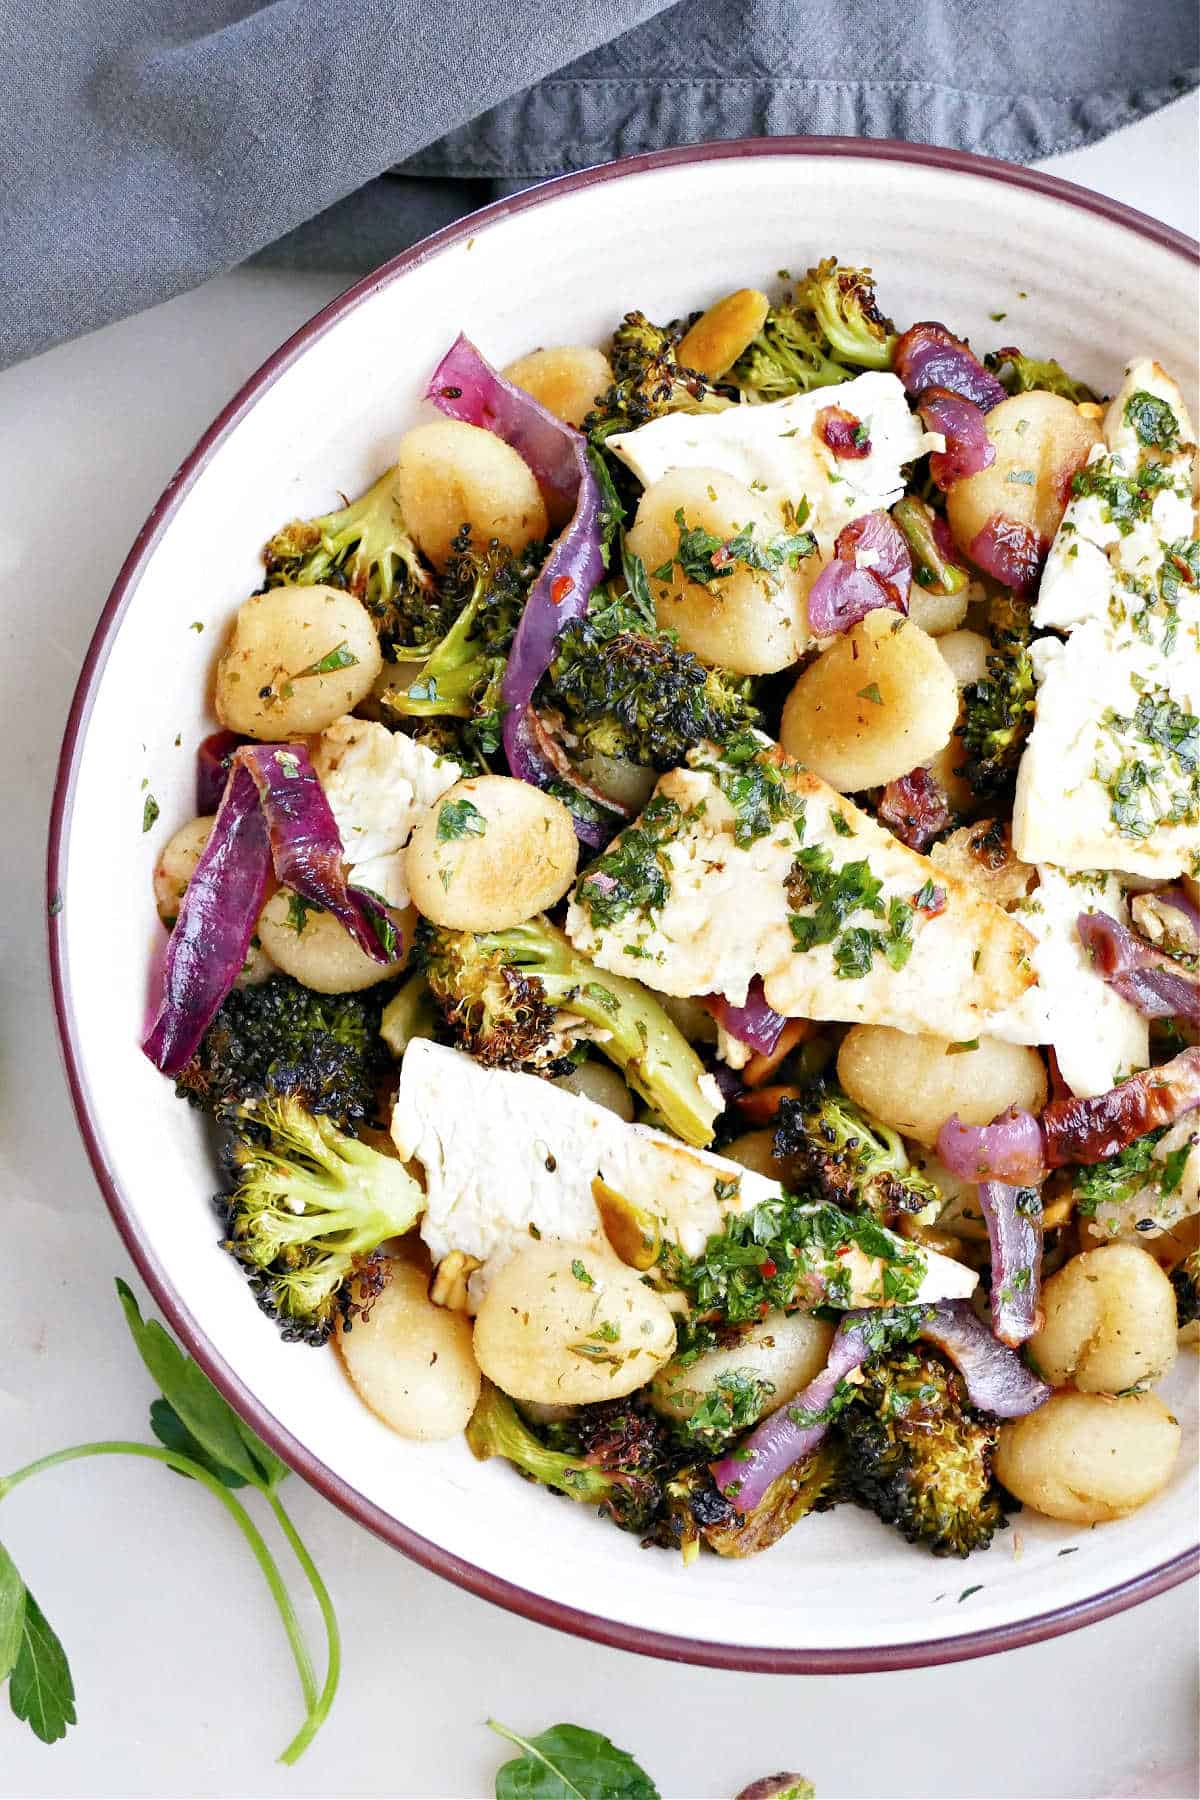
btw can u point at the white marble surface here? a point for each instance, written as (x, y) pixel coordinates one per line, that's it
(184, 1685)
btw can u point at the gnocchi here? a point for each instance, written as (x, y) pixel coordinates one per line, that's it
(914, 1083)
(877, 701)
(782, 1353)
(567, 380)
(1086, 1457)
(747, 621)
(296, 660)
(316, 949)
(449, 474)
(1109, 1322)
(1040, 440)
(569, 1323)
(411, 1361)
(492, 852)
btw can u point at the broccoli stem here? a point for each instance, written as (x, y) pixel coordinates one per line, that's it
(653, 1055)
(497, 1429)
(316, 1705)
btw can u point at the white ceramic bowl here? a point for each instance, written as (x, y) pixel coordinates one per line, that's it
(949, 237)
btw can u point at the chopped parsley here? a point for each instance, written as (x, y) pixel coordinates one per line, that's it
(1153, 420)
(630, 876)
(704, 557)
(459, 819)
(755, 788)
(579, 1271)
(786, 1250)
(1162, 788)
(734, 1403)
(149, 813)
(1118, 1178)
(835, 896)
(340, 657)
(871, 692)
(298, 910)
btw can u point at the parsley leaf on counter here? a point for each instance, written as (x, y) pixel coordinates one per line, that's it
(568, 1762)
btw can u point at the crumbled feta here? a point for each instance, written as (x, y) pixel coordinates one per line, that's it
(923, 952)
(1110, 778)
(379, 783)
(777, 447)
(1098, 1038)
(509, 1157)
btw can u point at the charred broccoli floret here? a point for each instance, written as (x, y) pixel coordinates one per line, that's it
(828, 332)
(916, 1455)
(517, 999)
(649, 381)
(842, 301)
(282, 1039)
(998, 716)
(484, 592)
(1185, 1279)
(366, 549)
(614, 1456)
(1021, 373)
(635, 694)
(308, 1210)
(854, 1160)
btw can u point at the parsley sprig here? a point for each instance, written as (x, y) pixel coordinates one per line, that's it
(199, 1436)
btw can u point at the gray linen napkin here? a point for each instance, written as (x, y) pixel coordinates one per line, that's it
(147, 144)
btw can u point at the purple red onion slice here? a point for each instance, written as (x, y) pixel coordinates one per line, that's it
(212, 931)
(1013, 1216)
(962, 424)
(871, 567)
(996, 1379)
(465, 386)
(755, 1023)
(1011, 1149)
(928, 356)
(1154, 983)
(783, 1438)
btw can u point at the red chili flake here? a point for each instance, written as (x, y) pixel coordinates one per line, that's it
(720, 557)
(561, 588)
(763, 1309)
(767, 1269)
(844, 1250)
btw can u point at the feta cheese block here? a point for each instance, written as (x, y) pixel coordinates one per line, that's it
(510, 1157)
(763, 869)
(1097, 1037)
(378, 784)
(1110, 777)
(776, 448)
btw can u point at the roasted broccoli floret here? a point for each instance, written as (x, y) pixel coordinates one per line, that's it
(614, 1456)
(484, 591)
(998, 716)
(1185, 1279)
(366, 549)
(649, 381)
(281, 1039)
(853, 1159)
(637, 695)
(308, 1210)
(1020, 373)
(828, 332)
(517, 999)
(842, 301)
(916, 1455)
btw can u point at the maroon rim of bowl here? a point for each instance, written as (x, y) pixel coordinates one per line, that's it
(432, 1556)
